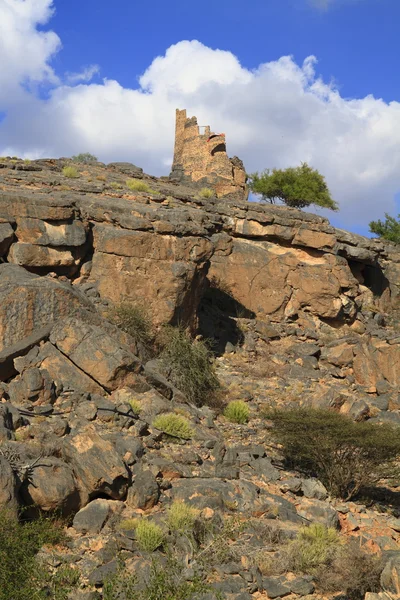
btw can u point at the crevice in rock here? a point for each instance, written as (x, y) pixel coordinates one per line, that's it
(217, 314)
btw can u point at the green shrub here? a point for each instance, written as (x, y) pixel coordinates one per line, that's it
(237, 411)
(297, 187)
(149, 535)
(173, 425)
(135, 406)
(139, 186)
(190, 366)
(134, 320)
(314, 546)
(22, 575)
(84, 157)
(389, 229)
(70, 172)
(346, 456)
(206, 192)
(181, 517)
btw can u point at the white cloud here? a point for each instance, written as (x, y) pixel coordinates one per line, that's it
(24, 51)
(278, 115)
(85, 75)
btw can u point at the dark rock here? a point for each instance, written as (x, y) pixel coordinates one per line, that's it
(301, 586)
(99, 575)
(275, 588)
(92, 517)
(144, 492)
(8, 486)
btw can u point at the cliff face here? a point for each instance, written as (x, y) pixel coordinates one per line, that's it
(167, 249)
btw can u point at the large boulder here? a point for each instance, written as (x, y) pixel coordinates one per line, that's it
(96, 353)
(51, 487)
(276, 281)
(30, 302)
(97, 466)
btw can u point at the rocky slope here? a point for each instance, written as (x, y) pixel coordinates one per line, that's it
(298, 311)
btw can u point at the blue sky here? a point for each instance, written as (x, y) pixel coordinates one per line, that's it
(287, 80)
(356, 41)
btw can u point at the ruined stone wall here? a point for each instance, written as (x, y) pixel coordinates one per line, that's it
(202, 160)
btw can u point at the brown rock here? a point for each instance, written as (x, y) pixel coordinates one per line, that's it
(30, 302)
(97, 466)
(96, 353)
(52, 487)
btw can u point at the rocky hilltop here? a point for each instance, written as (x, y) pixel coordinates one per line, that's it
(296, 309)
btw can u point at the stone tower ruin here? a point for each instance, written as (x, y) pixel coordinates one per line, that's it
(200, 157)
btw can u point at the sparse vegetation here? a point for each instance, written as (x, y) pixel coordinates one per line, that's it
(149, 535)
(336, 565)
(346, 456)
(352, 570)
(22, 575)
(70, 172)
(296, 186)
(165, 581)
(206, 192)
(84, 157)
(134, 320)
(314, 546)
(190, 365)
(389, 229)
(137, 185)
(237, 411)
(181, 517)
(173, 425)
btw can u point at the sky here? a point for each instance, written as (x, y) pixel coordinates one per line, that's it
(288, 81)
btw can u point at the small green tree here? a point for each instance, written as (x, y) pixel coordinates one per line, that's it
(389, 229)
(346, 456)
(84, 157)
(296, 187)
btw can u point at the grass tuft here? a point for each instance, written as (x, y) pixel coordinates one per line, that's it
(237, 411)
(173, 425)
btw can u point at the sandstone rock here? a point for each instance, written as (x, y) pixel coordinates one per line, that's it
(98, 468)
(274, 281)
(31, 256)
(51, 487)
(30, 302)
(63, 371)
(164, 272)
(42, 233)
(96, 353)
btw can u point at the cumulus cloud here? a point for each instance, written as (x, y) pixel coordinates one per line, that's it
(280, 114)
